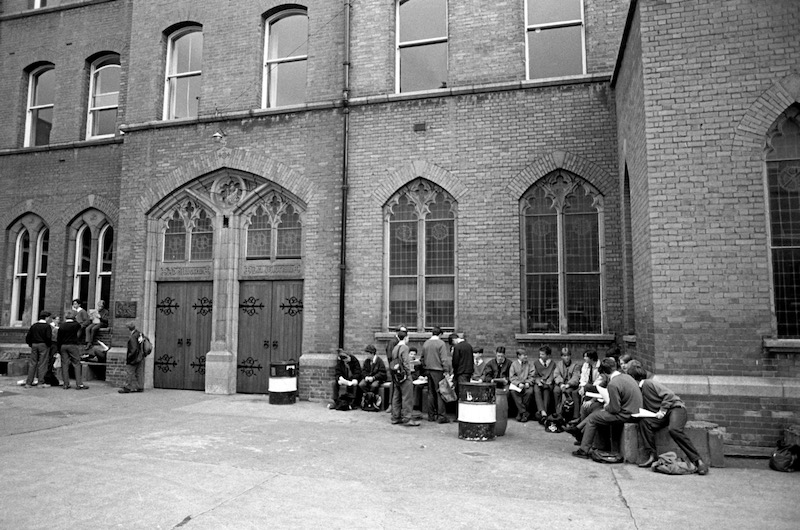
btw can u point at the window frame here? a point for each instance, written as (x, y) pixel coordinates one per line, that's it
(32, 106)
(188, 211)
(269, 90)
(554, 25)
(169, 109)
(420, 202)
(40, 276)
(101, 277)
(275, 206)
(96, 67)
(78, 274)
(20, 282)
(559, 194)
(399, 46)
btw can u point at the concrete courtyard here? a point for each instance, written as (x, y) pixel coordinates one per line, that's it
(180, 459)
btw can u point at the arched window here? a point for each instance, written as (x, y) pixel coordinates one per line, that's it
(783, 183)
(22, 257)
(41, 98)
(184, 69)
(40, 281)
(286, 58)
(554, 35)
(105, 258)
(189, 231)
(562, 233)
(103, 97)
(83, 264)
(421, 45)
(421, 238)
(275, 229)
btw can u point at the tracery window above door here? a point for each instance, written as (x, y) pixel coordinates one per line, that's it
(274, 229)
(188, 232)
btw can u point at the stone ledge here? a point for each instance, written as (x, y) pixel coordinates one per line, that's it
(700, 385)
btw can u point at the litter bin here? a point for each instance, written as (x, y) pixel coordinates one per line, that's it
(477, 412)
(283, 382)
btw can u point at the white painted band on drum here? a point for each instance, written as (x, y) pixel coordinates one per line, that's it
(477, 412)
(282, 384)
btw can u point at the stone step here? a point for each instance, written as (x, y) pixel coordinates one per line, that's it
(707, 437)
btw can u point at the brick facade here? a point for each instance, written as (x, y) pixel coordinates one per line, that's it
(668, 124)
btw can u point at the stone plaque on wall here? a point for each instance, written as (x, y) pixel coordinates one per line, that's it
(124, 309)
(266, 270)
(183, 271)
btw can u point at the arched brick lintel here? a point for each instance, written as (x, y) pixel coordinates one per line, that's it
(416, 169)
(749, 138)
(550, 162)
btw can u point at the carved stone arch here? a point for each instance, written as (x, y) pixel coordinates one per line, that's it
(578, 166)
(275, 202)
(235, 159)
(560, 184)
(412, 171)
(30, 221)
(97, 202)
(749, 137)
(421, 193)
(20, 210)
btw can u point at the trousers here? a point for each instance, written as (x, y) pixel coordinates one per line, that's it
(674, 421)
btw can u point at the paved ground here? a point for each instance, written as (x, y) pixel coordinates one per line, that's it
(170, 459)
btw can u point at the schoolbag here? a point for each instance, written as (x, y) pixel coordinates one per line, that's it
(370, 402)
(398, 370)
(555, 423)
(343, 402)
(670, 464)
(785, 458)
(607, 457)
(145, 345)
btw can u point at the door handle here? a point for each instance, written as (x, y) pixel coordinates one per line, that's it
(275, 344)
(188, 342)
(266, 344)
(180, 342)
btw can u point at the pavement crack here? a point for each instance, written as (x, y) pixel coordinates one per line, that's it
(623, 499)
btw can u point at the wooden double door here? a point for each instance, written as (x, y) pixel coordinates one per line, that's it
(270, 330)
(183, 334)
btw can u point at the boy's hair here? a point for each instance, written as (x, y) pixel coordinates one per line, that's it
(76, 301)
(521, 351)
(436, 330)
(637, 372)
(608, 365)
(591, 354)
(402, 334)
(545, 349)
(43, 315)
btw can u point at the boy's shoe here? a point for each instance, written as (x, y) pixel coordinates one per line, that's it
(580, 453)
(702, 468)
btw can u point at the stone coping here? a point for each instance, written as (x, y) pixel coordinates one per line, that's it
(717, 385)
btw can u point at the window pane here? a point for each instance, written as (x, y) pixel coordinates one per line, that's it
(83, 288)
(202, 239)
(20, 309)
(104, 288)
(547, 11)
(106, 100)
(555, 52)
(259, 237)
(581, 243)
(104, 122)
(41, 124)
(786, 267)
(423, 19)
(187, 53)
(423, 67)
(542, 296)
(402, 301)
(583, 303)
(185, 94)
(439, 247)
(289, 231)
(42, 292)
(44, 89)
(107, 82)
(24, 254)
(108, 252)
(541, 245)
(45, 249)
(288, 37)
(439, 302)
(175, 240)
(85, 262)
(287, 83)
(783, 180)
(402, 248)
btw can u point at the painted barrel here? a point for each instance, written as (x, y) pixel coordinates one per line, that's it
(477, 412)
(283, 382)
(501, 394)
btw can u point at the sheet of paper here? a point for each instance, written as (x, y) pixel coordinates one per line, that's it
(644, 413)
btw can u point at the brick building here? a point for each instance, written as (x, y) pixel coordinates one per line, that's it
(287, 179)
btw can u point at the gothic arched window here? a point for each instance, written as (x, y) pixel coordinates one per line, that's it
(275, 229)
(189, 231)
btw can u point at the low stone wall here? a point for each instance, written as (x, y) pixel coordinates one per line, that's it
(707, 438)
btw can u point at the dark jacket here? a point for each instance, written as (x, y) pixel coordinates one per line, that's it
(376, 369)
(68, 333)
(463, 363)
(39, 333)
(350, 369)
(495, 371)
(134, 348)
(624, 396)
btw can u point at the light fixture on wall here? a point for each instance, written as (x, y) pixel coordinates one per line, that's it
(219, 135)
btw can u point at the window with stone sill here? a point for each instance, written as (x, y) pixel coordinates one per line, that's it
(274, 229)
(420, 224)
(188, 232)
(29, 283)
(285, 59)
(783, 184)
(184, 73)
(421, 53)
(41, 98)
(93, 258)
(561, 218)
(103, 103)
(554, 38)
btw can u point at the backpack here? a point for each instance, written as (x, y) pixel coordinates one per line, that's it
(145, 345)
(398, 370)
(785, 458)
(554, 423)
(607, 457)
(370, 402)
(343, 402)
(670, 464)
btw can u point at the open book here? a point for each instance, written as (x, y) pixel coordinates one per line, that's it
(514, 387)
